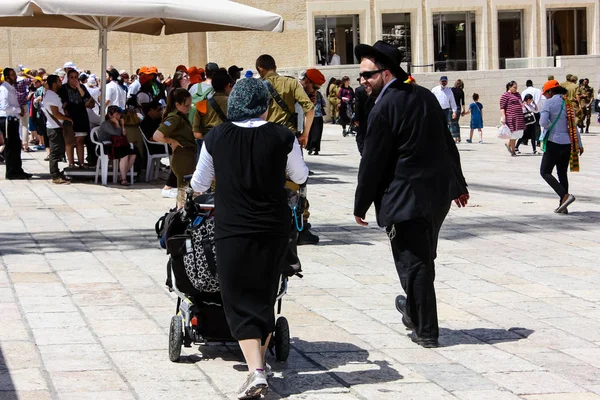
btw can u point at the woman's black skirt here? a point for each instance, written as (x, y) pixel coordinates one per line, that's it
(249, 268)
(315, 135)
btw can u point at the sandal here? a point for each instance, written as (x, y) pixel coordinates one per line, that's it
(124, 182)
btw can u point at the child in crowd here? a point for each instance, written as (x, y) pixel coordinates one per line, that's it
(475, 109)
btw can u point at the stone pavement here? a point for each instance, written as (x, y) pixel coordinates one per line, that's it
(85, 314)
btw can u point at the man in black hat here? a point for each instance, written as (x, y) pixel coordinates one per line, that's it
(234, 72)
(410, 169)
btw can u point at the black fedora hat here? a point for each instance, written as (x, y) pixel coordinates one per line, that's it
(384, 53)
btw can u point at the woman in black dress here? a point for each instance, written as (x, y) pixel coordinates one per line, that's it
(250, 159)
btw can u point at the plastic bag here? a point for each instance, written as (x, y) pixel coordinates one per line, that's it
(503, 132)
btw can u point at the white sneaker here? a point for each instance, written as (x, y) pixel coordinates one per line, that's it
(169, 193)
(255, 385)
(268, 370)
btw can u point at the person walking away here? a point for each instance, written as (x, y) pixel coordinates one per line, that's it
(10, 114)
(55, 117)
(459, 99)
(110, 133)
(285, 92)
(364, 104)
(76, 101)
(212, 112)
(561, 142)
(311, 82)
(176, 131)
(476, 111)
(530, 109)
(410, 169)
(251, 231)
(445, 98)
(511, 115)
(585, 96)
(332, 90)
(346, 97)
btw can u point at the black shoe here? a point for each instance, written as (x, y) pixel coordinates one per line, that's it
(307, 225)
(21, 176)
(401, 307)
(316, 153)
(428, 343)
(310, 152)
(307, 237)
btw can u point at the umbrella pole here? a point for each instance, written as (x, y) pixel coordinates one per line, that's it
(103, 46)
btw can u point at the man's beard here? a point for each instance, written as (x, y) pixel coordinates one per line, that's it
(375, 91)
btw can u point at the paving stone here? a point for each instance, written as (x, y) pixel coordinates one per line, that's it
(484, 395)
(535, 382)
(13, 330)
(48, 336)
(588, 355)
(488, 360)
(26, 379)
(18, 355)
(453, 377)
(564, 396)
(81, 381)
(110, 395)
(73, 357)
(55, 320)
(26, 395)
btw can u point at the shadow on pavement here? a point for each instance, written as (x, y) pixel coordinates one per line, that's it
(58, 242)
(521, 191)
(7, 387)
(479, 336)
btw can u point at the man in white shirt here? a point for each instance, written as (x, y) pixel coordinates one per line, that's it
(538, 99)
(445, 97)
(115, 95)
(55, 115)
(10, 112)
(135, 86)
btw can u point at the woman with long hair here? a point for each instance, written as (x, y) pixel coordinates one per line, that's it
(511, 115)
(180, 80)
(459, 98)
(561, 142)
(346, 97)
(176, 131)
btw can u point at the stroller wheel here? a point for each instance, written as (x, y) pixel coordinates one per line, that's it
(175, 338)
(282, 339)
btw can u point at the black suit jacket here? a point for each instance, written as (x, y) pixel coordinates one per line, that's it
(364, 104)
(410, 165)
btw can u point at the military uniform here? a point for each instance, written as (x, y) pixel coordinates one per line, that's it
(205, 121)
(586, 98)
(291, 92)
(334, 102)
(183, 162)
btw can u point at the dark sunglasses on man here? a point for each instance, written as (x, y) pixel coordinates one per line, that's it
(369, 74)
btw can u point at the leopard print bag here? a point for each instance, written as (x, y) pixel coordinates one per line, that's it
(201, 263)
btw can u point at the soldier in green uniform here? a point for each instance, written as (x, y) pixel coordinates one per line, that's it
(176, 131)
(210, 113)
(285, 92)
(585, 96)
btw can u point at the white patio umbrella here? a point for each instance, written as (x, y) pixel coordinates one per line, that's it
(137, 16)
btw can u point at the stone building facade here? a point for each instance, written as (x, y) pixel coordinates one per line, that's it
(484, 42)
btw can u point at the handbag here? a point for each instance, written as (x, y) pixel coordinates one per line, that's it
(201, 262)
(529, 118)
(503, 132)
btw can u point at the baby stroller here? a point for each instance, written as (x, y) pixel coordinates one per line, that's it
(347, 118)
(188, 237)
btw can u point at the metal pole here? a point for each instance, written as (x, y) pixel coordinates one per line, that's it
(103, 46)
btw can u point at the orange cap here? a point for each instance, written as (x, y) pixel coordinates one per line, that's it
(143, 71)
(181, 68)
(153, 70)
(550, 85)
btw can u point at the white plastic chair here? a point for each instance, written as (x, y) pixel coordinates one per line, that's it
(153, 164)
(103, 160)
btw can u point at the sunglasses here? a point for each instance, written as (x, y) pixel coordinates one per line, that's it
(369, 74)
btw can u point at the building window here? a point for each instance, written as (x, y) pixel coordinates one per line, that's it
(454, 41)
(510, 35)
(396, 31)
(335, 37)
(567, 32)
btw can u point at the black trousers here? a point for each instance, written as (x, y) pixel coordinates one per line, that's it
(414, 247)
(9, 126)
(57, 150)
(556, 155)
(315, 135)
(530, 133)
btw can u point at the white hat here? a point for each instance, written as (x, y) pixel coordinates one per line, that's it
(121, 72)
(58, 70)
(69, 64)
(93, 76)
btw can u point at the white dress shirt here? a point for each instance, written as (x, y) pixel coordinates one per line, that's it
(445, 97)
(205, 171)
(134, 88)
(115, 95)
(535, 93)
(9, 105)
